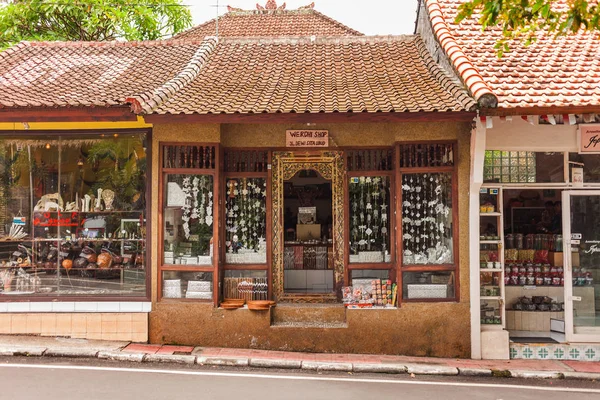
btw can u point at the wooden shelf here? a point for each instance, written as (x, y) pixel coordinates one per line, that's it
(491, 297)
(494, 214)
(490, 241)
(491, 270)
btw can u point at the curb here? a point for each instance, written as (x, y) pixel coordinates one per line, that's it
(71, 353)
(591, 376)
(475, 372)
(380, 368)
(223, 361)
(168, 358)
(383, 368)
(119, 356)
(423, 369)
(326, 366)
(22, 351)
(536, 374)
(275, 363)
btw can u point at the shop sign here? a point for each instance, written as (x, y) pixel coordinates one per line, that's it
(306, 138)
(56, 219)
(577, 176)
(589, 139)
(20, 221)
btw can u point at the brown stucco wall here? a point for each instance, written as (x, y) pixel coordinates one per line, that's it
(438, 329)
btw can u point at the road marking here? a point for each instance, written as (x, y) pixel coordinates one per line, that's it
(298, 377)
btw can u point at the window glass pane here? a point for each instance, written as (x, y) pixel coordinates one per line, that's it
(369, 219)
(72, 215)
(246, 221)
(428, 285)
(523, 167)
(591, 166)
(188, 285)
(248, 285)
(427, 219)
(188, 219)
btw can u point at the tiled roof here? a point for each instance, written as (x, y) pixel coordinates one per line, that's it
(288, 75)
(270, 23)
(552, 72)
(300, 75)
(90, 73)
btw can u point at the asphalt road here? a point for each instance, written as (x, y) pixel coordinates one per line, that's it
(61, 380)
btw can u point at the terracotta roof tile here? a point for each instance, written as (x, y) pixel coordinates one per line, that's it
(299, 75)
(270, 23)
(287, 75)
(551, 72)
(89, 73)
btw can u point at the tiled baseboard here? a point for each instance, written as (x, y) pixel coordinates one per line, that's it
(550, 351)
(101, 326)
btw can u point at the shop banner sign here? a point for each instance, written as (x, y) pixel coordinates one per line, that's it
(306, 138)
(589, 139)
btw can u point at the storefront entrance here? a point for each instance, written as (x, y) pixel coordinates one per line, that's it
(308, 248)
(308, 224)
(582, 233)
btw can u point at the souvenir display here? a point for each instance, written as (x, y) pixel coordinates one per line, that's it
(370, 293)
(72, 205)
(370, 219)
(245, 226)
(245, 288)
(538, 303)
(426, 219)
(491, 314)
(188, 220)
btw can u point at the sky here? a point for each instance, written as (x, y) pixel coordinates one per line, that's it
(371, 17)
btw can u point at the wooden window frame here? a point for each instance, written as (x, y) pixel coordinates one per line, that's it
(163, 173)
(222, 217)
(389, 266)
(455, 267)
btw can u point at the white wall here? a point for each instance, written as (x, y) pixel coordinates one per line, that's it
(521, 135)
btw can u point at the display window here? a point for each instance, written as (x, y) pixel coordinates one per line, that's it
(188, 219)
(246, 221)
(73, 215)
(428, 221)
(370, 219)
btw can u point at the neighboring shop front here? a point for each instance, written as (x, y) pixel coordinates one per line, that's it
(73, 231)
(384, 232)
(539, 208)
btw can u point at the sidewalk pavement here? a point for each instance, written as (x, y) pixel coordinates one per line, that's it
(137, 352)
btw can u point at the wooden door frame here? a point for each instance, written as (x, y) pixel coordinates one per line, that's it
(284, 165)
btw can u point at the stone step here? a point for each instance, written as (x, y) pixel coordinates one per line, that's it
(310, 325)
(308, 314)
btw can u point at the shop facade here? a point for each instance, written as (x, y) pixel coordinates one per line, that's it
(307, 187)
(534, 243)
(74, 240)
(254, 170)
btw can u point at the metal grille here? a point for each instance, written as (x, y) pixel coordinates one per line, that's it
(509, 166)
(370, 160)
(189, 157)
(426, 155)
(245, 160)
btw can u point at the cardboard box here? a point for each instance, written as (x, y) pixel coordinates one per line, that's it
(308, 232)
(556, 259)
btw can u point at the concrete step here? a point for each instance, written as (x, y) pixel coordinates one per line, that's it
(310, 325)
(307, 314)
